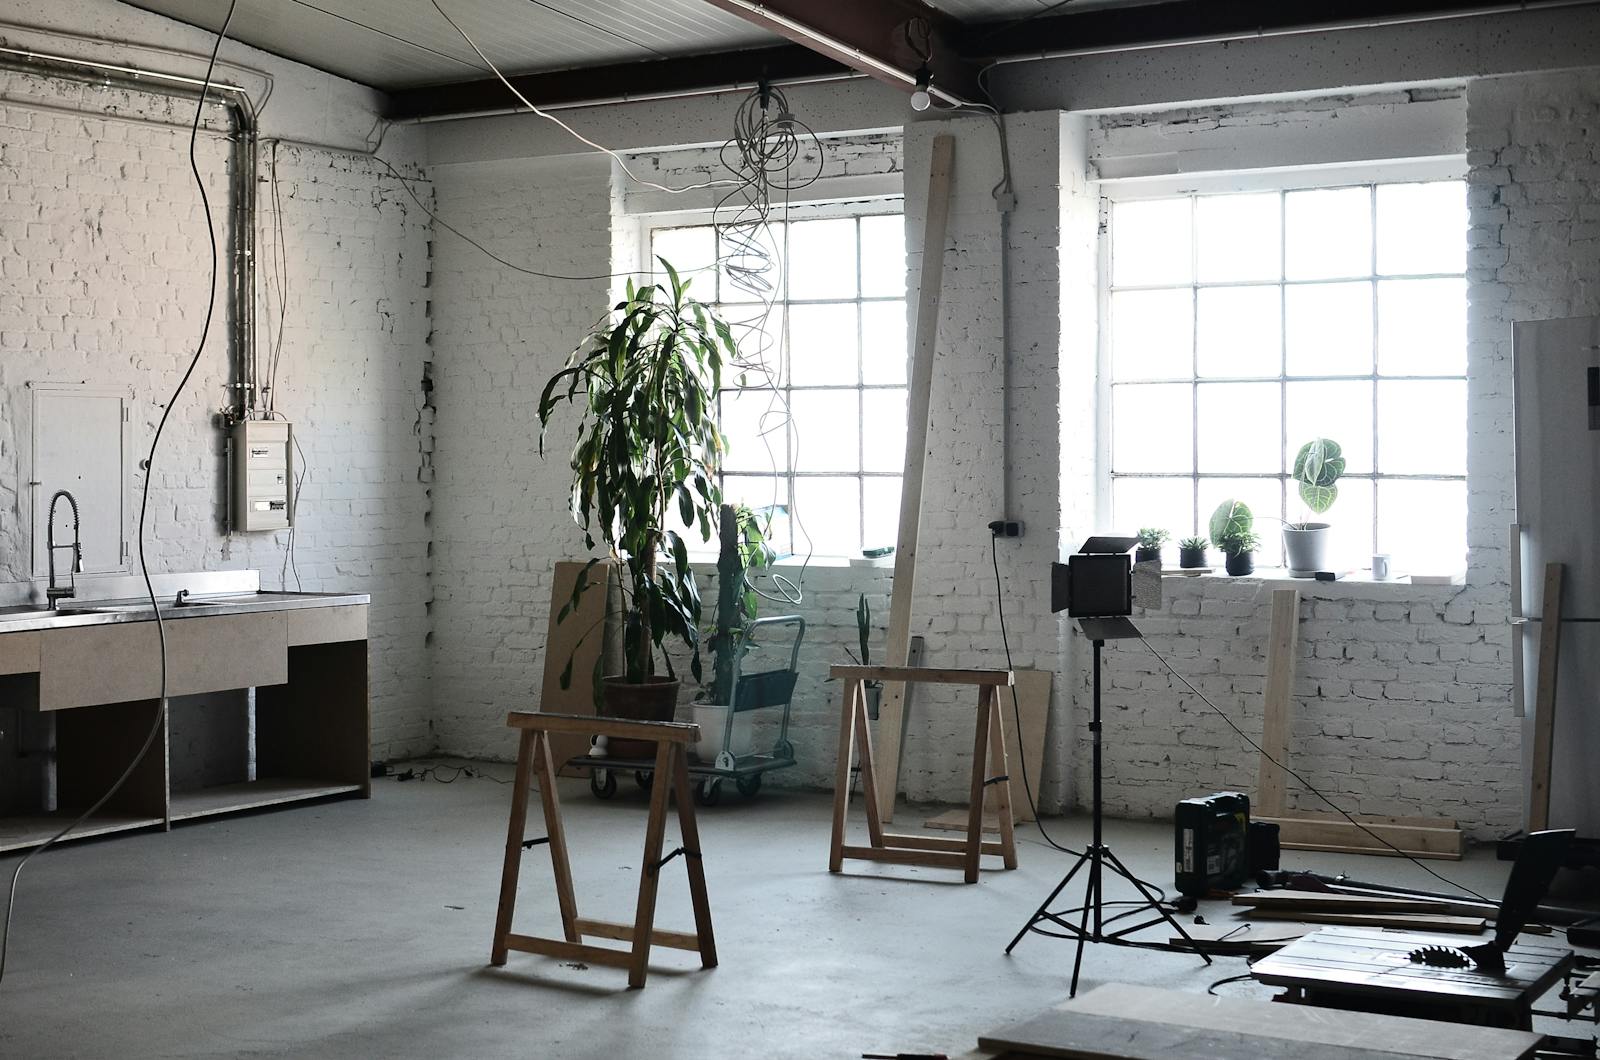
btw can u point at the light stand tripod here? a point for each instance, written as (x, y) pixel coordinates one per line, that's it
(1098, 856)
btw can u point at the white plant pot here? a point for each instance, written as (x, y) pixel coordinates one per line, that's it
(1306, 548)
(713, 721)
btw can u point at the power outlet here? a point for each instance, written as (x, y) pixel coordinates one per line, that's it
(1006, 528)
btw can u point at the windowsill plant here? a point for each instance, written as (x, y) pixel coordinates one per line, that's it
(1317, 469)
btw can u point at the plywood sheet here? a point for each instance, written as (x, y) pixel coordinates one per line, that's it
(567, 640)
(19, 653)
(1033, 703)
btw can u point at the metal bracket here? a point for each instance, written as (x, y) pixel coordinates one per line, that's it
(653, 869)
(529, 844)
(996, 780)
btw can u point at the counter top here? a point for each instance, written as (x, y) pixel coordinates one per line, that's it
(73, 612)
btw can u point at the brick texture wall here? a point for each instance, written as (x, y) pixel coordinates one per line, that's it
(104, 252)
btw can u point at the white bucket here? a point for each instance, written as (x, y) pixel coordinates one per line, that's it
(713, 721)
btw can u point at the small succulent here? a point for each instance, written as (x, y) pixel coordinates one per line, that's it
(1152, 537)
(1194, 544)
(1244, 541)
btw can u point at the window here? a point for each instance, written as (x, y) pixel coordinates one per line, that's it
(1241, 326)
(821, 428)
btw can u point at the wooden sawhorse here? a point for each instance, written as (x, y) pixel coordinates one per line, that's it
(988, 745)
(671, 775)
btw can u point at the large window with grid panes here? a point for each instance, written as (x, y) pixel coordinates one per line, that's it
(816, 419)
(1240, 325)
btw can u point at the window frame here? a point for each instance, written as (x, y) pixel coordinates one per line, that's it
(856, 208)
(1370, 176)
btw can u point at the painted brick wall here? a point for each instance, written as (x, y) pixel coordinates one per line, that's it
(104, 248)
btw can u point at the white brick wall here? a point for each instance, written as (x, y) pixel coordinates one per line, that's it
(104, 250)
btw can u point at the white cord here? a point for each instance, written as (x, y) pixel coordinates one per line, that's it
(546, 114)
(144, 504)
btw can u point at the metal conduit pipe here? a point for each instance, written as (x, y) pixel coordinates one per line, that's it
(1330, 26)
(236, 102)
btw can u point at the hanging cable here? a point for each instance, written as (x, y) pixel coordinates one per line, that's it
(144, 502)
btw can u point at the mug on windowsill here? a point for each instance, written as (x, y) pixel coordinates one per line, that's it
(1380, 568)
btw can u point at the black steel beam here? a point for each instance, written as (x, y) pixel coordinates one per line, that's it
(1175, 21)
(648, 79)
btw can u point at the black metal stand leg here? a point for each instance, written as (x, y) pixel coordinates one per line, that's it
(1090, 899)
(1150, 900)
(1040, 913)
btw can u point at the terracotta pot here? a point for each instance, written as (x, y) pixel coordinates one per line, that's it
(655, 700)
(1240, 563)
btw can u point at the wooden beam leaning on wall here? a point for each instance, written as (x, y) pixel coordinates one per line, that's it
(891, 711)
(1420, 837)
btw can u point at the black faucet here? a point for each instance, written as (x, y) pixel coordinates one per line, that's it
(53, 592)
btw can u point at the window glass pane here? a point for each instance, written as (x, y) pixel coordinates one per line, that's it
(1350, 540)
(828, 512)
(1422, 228)
(1328, 233)
(1150, 242)
(762, 492)
(758, 335)
(1265, 499)
(750, 263)
(1329, 329)
(1423, 525)
(827, 435)
(1422, 428)
(1341, 411)
(822, 258)
(822, 344)
(883, 256)
(1161, 502)
(1239, 331)
(1152, 334)
(884, 352)
(883, 430)
(880, 511)
(1152, 427)
(753, 428)
(1422, 327)
(1237, 237)
(692, 251)
(1241, 427)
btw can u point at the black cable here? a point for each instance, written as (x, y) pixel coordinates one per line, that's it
(144, 501)
(1212, 989)
(1306, 783)
(1016, 708)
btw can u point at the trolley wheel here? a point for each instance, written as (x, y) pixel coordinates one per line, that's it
(644, 778)
(748, 786)
(709, 793)
(603, 783)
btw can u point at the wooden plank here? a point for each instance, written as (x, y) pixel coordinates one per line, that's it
(1544, 698)
(841, 776)
(1519, 706)
(19, 652)
(1300, 833)
(562, 643)
(922, 675)
(655, 731)
(1289, 1026)
(930, 842)
(998, 783)
(560, 864)
(1464, 925)
(1375, 818)
(930, 279)
(704, 939)
(605, 929)
(511, 866)
(1333, 902)
(956, 821)
(1032, 689)
(1238, 937)
(980, 762)
(251, 795)
(1373, 850)
(568, 951)
(1282, 639)
(1080, 1035)
(644, 917)
(896, 856)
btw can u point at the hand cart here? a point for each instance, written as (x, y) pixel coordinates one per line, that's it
(767, 690)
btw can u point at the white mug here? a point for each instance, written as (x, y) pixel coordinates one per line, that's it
(1380, 567)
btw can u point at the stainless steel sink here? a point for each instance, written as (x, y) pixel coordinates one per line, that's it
(22, 612)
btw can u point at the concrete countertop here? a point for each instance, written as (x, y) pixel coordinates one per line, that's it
(26, 617)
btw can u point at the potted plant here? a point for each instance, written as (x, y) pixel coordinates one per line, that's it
(1233, 531)
(1192, 552)
(645, 382)
(742, 547)
(1150, 541)
(1317, 468)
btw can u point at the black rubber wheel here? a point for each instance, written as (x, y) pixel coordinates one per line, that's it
(644, 778)
(748, 786)
(603, 783)
(709, 793)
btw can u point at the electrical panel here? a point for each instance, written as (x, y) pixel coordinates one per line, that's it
(262, 475)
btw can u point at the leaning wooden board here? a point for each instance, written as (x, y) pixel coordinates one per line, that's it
(1333, 902)
(1032, 689)
(1123, 1020)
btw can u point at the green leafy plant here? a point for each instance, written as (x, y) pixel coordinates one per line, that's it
(743, 535)
(1317, 468)
(863, 632)
(1194, 544)
(1248, 541)
(1230, 523)
(1151, 537)
(645, 382)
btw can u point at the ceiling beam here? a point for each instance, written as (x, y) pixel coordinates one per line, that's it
(890, 40)
(1114, 29)
(616, 83)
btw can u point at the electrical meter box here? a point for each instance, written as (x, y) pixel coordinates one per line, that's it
(263, 475)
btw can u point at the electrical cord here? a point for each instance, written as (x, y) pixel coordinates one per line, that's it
(144, 503)
(1306, 783)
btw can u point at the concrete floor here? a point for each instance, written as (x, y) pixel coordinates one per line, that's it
(362, 929)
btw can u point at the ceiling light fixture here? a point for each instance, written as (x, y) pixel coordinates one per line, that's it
(921, 99)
